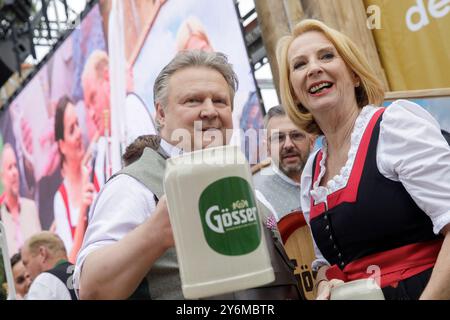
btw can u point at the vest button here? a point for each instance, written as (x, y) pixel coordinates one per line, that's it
(335, 247)
(339, 255)
(342, 264)
(327, 227)
(331, 238)
(325, 217)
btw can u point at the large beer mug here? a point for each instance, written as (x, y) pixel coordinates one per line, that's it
(217, 229)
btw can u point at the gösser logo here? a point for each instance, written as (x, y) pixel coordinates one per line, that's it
(229, 216)
(229, 219)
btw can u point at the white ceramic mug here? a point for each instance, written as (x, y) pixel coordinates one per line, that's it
(362, 289)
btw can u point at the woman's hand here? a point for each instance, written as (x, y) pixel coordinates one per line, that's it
(438, 288)
(87, 189)
(324, 288)
(88, 194)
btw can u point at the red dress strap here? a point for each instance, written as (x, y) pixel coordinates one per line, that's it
(350, 192)
(62, 190)
(96, 184)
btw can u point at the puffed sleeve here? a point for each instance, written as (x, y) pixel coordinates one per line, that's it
(412, 150)
(305, 202)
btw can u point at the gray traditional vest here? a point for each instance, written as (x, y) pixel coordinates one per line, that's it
(282, 195)
(163, 280)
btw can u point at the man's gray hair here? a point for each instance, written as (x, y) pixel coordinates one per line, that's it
(194, 58)
(277, 111)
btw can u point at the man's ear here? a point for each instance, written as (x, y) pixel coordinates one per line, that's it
(43, 253)
(160, 114)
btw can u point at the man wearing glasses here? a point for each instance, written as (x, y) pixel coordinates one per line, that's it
(289, 148)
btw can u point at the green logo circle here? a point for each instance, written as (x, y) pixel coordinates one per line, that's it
(230, 217)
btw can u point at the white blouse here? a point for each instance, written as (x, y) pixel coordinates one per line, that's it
(62, 223)
(411, 150)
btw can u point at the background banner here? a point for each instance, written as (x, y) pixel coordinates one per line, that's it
(413, 42)
(50, 138)
(169, 26)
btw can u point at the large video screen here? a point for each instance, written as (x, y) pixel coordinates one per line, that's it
(46, 133)
(55, 136)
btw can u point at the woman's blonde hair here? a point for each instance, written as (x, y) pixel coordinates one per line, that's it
(370, 90)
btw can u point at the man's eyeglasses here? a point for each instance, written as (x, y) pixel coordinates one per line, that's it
(280, 137)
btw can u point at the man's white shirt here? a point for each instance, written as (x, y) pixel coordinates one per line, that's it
(47, 286)
(123, 204)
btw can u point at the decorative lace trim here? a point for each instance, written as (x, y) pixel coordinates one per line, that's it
(319, 193)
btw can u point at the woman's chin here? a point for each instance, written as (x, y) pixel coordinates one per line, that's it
(324, 105)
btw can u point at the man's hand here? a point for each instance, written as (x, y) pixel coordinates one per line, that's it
(115, 270)
(161, 217)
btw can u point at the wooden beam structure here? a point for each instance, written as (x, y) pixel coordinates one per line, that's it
(418, 94)
(349, 17)
(274, 24)
(294, 12)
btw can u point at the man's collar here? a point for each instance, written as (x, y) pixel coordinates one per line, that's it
(171, 150)
(59, 262)
(283, 176)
